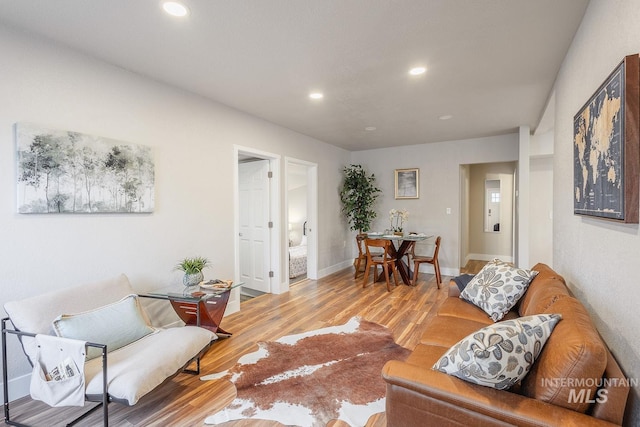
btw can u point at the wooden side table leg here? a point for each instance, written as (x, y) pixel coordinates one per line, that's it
(212, 311)
(206, 314)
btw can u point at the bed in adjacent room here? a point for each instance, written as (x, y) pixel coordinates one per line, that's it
(298, 257)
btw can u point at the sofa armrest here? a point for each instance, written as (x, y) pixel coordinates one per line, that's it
(454, 291)
(458, 283)
(442, 397)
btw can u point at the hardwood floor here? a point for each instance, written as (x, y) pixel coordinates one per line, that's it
(310, 304)
(473, 267)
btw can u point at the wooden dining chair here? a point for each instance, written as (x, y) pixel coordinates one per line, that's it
(383, 259)
(419, 259)
(362, 254)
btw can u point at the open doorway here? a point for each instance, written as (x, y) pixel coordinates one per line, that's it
(487, 226)
(258, 208)
(301, 201)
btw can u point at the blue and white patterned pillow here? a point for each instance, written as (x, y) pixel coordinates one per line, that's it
(497, 288)
(501, 354)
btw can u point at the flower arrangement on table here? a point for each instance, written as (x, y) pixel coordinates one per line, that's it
(397, 219)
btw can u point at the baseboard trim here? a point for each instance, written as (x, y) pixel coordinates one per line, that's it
(488, 257)
(18, 387)
(424, 268)
(250, 292)
(428, 268)
(334, 268)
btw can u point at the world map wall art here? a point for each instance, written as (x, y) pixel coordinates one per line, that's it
(606, 147)
(70, 172)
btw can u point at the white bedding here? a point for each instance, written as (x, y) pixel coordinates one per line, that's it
(297, 261)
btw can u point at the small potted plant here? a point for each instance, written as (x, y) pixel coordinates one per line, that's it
(397, 219)
(192, 268)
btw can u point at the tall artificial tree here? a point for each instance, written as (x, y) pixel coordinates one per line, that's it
(358, 195)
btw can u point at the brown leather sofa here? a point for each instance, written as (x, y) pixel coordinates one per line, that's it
(574, 382)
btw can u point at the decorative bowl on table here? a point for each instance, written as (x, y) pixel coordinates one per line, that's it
(216, 284)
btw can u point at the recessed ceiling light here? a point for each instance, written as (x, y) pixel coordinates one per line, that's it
(416, 71)
(316, 95)
(446, 117)
(370, 128)
(174, 8)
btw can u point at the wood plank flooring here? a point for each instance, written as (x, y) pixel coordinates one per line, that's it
(473, 266)
(310, 304)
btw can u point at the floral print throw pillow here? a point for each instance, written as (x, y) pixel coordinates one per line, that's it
(501, 354)
(497, 288)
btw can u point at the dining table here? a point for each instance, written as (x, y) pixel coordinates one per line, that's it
(399, 248)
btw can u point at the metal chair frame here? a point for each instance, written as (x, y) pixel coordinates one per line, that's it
(103, 400)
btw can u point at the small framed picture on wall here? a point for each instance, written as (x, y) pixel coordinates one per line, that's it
(407, 183)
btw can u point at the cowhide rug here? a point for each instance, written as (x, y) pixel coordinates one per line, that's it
(312, 378)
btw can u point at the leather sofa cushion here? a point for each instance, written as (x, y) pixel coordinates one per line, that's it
(546, 272)
(454, 290)
(445, 331)
(616, 393)
(541, 297)
(573, 359)
(542, 291)
(456, 307)
(426, 355)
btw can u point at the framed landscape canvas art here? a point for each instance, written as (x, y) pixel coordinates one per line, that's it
(407, 183)
(71, 172)
(606, 146)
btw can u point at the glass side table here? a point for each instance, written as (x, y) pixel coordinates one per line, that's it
(197, 306)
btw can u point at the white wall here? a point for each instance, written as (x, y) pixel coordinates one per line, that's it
(193, 141)
(541, 219)
(465, 184)
(439, 165)
(599, 259)
(541, 186)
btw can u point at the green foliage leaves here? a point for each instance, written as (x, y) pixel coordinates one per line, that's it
(358, 195)
(192, 265)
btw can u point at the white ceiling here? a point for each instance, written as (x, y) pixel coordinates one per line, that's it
(491, 63)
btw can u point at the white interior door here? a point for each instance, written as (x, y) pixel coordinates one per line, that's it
(254, 238)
